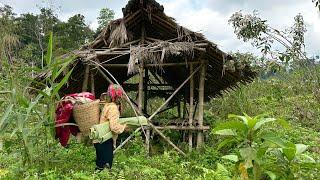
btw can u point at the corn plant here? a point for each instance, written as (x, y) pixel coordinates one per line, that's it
(27, 115)
(255, 146)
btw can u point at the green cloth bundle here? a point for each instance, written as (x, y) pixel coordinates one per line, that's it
(102, 132)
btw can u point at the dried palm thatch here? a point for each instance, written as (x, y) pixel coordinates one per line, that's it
(118, 35)
(156, 53)
(184, 34)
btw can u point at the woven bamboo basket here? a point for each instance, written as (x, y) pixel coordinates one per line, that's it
(86, 115)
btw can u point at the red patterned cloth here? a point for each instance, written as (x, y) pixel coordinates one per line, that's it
(64, 115)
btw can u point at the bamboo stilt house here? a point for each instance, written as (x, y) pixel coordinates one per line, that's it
(167, 59)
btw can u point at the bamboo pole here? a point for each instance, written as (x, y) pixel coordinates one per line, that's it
(192, 128)
(127, 140)
(86, 77)
(191, 108)
(201, 103)
(140, 90)
(151, 65)
(142, 84)
(105, 76)
(145, 107)
(148, 141)
(92, 83)
(145, 87)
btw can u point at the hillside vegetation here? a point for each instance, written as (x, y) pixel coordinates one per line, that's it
(268, 129)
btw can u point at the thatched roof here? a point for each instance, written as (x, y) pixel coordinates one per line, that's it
(147, 35)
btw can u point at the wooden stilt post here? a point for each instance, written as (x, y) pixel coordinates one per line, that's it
(140, 90)
(92, 83)
(145, 88)
(191, 108)
(86, 78)
(143, 36)
(201, 103)
(145, 107)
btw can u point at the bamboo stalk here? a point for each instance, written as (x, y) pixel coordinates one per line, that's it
(171, 64)
(151, 65)
(105, 76)
(92, 83)
(66, 124)
(140, 91)
(86, 77)
(201, 103)
(191, 108)
(148, 141)
(125, 141)
(190, 128)
(145, 109)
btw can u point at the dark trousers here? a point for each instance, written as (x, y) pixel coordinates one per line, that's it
(104, 154)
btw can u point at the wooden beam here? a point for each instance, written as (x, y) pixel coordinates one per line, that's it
(190, 138)
(171, 64)
(151, 65)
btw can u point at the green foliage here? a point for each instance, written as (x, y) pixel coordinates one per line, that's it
(249, 147)
(250, 27)
(105, 16)
(73, 33)
(25, 36)
(255, 145)
(26, 121)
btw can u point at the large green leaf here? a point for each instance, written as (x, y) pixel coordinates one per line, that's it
(283, 123)
(61, 83)
(64, 66)
(274, 139)
(251, 121)
(49, 50)
(228, 141)
(262, 122)
(307, 159)
(271, 175)
(5, 116)
(261, 152)
(300, 148)
(289, 151)
(231, 157)
(248, 153)
(243, 118)
(226, 132)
